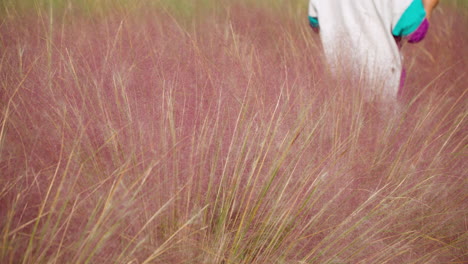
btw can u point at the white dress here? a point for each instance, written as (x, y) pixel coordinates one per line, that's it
(360, 35)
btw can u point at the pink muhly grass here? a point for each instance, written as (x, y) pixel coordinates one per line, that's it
(138, 137)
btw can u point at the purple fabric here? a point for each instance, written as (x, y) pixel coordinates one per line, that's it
(415, 37)
(398, 41)
(420, 33)
(315, 29)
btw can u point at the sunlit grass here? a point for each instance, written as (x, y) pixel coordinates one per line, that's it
(175, 132)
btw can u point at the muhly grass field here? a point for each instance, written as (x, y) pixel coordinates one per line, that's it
(209, 132)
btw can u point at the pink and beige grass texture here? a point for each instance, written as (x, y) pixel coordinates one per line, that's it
(208, 132)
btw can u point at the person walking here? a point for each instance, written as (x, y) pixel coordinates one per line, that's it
(363, 37)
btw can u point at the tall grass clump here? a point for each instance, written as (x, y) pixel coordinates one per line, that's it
(209, 132)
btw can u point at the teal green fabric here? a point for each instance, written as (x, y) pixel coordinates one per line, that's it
(413, 16)
(313, 21)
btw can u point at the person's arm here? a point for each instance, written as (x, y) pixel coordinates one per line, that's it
(420, 33)
(429, 6)
(413, 23)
